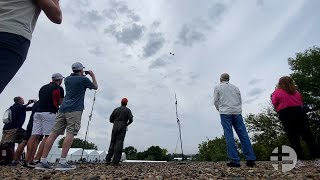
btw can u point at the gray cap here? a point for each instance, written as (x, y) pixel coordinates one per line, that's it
(225, 77)
(57, 76)
(77, 66)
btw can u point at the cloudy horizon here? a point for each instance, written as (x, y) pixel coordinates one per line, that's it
(127, 44)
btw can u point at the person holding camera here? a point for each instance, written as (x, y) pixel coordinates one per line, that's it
(69, 116)
(227, 100)
(26, 137)
(50, 97)
(17, 113)
(121, 118)
(17, 22)
(13, 118)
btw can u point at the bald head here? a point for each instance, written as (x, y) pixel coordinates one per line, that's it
(18, 100)
(224, 77)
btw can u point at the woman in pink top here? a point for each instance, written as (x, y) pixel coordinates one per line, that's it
(288, 102)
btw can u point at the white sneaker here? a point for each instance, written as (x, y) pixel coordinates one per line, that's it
(317, 163)
(299, 163)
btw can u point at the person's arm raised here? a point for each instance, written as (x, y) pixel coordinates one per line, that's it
(52, 10)
(94, 81)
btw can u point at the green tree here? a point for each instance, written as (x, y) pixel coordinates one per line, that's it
(213, 150)
(131, 152)
(306, 74)
(79, 143)
(265, 126)
(267, 132)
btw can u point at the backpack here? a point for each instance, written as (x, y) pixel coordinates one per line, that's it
(7, 116)
(6, 153)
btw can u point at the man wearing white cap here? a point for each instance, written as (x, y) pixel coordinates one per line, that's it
(69, 117)
(50, 97)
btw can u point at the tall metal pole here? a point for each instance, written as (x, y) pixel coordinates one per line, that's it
(90, 116)
(178, 122)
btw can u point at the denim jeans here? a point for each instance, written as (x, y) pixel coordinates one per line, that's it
(228, 121)
(13, 52)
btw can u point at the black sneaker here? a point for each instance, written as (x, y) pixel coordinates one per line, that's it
(115, 164)
(108, 163)
(29, 165)
(232, 164)
(250, 163)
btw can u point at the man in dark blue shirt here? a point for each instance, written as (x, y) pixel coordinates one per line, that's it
(18, 116)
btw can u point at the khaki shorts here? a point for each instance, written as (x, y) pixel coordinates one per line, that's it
(70, 121)
(9, 136)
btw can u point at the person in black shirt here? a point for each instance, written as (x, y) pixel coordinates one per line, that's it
(27, 135)
(121, 118)
(50, 97)
(18, 116)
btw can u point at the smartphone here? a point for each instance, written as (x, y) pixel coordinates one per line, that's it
(86, 72)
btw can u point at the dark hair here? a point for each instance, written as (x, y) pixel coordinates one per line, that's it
(16, 99)
(286, 83)
(76, 71)
(123, 104)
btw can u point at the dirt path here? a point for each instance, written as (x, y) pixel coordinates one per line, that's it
(158, 171)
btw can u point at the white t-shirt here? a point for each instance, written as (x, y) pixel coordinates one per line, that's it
(18, 17)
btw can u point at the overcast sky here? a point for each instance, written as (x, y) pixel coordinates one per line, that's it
(127, 45)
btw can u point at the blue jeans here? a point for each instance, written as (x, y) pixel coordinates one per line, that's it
(13, 52)
(228, 121)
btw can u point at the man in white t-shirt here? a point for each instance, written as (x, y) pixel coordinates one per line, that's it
(17, 21)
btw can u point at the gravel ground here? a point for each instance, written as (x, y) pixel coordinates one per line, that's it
(158, 171)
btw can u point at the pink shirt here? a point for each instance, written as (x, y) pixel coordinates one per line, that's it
(281, 99)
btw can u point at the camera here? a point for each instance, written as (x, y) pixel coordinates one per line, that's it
(86, 72)
(31, 101)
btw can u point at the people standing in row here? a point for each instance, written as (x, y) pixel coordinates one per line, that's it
(69, 116)
(50, 97)
(288, 102)
(227, 100)
(121, 118)
(17, 22)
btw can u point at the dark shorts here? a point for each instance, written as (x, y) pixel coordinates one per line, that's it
(13, 52)
(28, 133)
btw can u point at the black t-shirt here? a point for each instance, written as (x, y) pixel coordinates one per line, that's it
(49, 97)
(18, 116)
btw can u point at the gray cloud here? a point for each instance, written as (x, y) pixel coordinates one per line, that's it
(127, 35)
(89, 20)
(260, 2)
(216, 11)
(190, 35)
(119, 9)
(159, 62)
(96, 51)
(154, 44)
(255, 81)
(255, 91)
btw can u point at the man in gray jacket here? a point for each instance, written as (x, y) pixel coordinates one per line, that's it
(121, 118)
(17, 22)
(227, 100)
